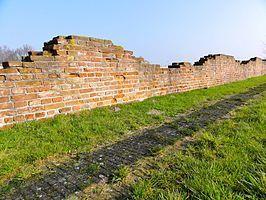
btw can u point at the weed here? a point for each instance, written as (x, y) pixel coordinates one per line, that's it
(120, 174)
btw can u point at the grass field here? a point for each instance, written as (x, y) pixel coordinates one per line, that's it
(225, 161)
(26, 147)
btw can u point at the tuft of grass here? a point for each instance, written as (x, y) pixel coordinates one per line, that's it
(226, 161)
(93, 168)
(120, 173)
(26, 145)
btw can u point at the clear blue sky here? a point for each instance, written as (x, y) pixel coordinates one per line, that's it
(162, 31)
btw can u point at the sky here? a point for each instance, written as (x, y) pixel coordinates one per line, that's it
(161, 31)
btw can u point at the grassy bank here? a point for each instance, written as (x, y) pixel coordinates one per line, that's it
(225, 161)
(29, 145)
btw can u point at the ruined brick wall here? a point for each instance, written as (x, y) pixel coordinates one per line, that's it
(74, 73)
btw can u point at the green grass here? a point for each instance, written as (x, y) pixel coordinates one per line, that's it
(121, 173)
(28, 145)
(226, 161)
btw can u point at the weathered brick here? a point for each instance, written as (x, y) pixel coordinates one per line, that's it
(29, 70)
(65, 110)
(34, 102)
(30, 116)
(53, 75)
(13, 77)
(40, 115)
(46, 101)
(76, 73)
(53, 106)
(12, 64)
(28, 83)
(20, 104)
(8, 120)
(57, 99)
(4, 106)
(19, 118)
(5, 92)
(27, 76)
(2, 78)
(18, 90)
(4, 99)
(8, 71)
(24, 97)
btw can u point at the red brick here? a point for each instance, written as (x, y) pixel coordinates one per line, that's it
(54, 106)
(2, 78)
(13, 77)
(4, 99)
(12, 64)
(6, 106)
(24, 97)
(64, 110)
(8, 120)
(29, 70)
(18, 90)
(19, 118)
(28, 83)
(57, 99)
(9, 70)
(46, 101)
(30, 116)
(40, 114)
(20, 104)
(91, 73)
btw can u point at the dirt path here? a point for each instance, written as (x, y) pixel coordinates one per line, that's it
(99, 166)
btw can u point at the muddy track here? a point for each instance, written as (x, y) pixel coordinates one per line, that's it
(99, 166)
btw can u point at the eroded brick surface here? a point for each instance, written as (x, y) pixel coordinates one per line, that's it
(74, 73)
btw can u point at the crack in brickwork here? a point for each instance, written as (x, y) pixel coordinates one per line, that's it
(99, 166)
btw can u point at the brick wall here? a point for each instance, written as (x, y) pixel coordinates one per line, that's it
(74, 73)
